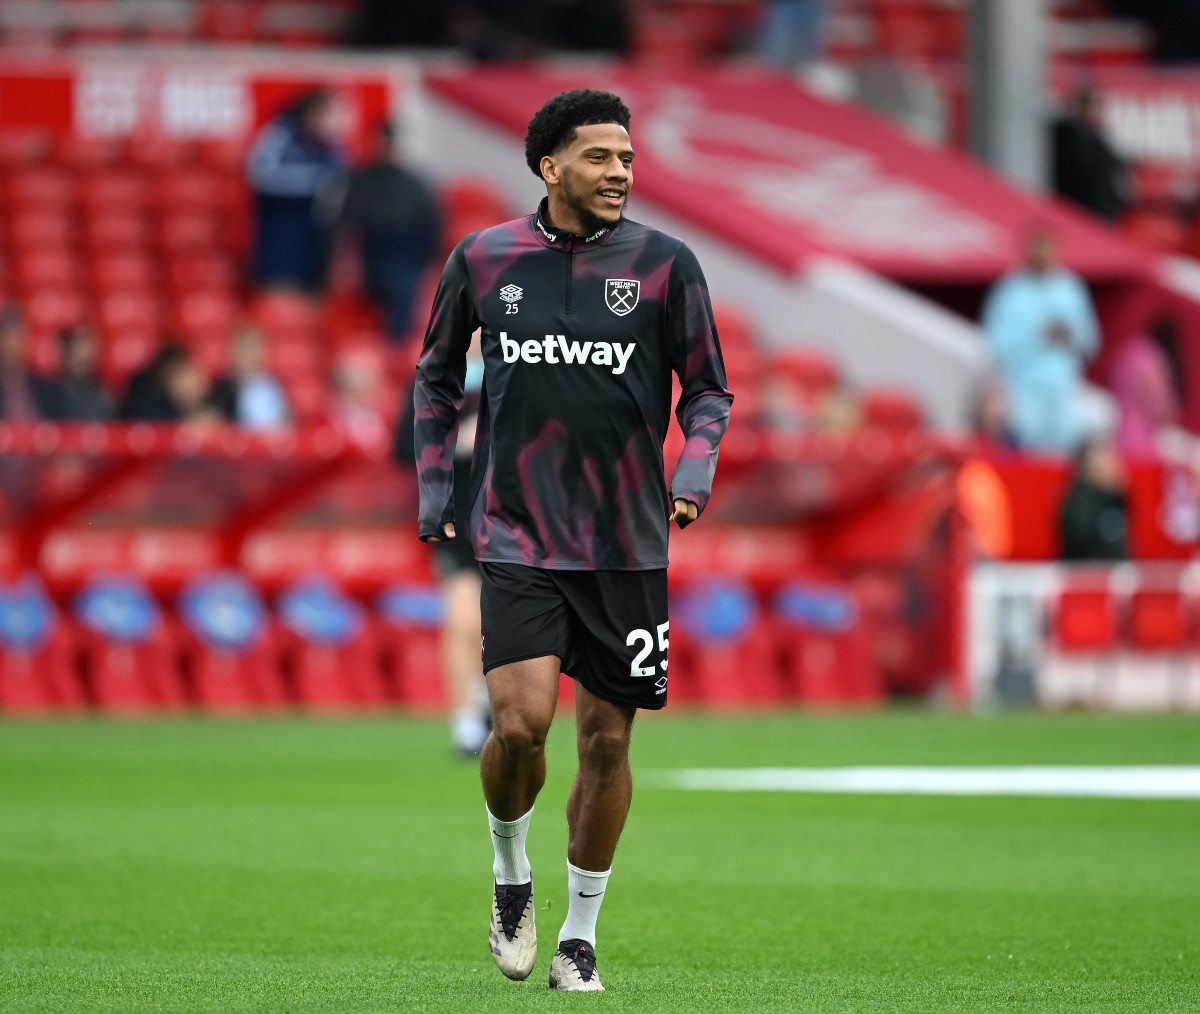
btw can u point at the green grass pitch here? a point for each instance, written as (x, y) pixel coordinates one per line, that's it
(345, 865)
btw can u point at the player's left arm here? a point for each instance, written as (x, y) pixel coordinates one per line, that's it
(705, 399)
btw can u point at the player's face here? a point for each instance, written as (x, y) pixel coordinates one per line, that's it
(594, 174)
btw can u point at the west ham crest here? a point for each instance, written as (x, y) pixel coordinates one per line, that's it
(621, 294)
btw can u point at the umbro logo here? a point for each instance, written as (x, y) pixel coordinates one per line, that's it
(511, 293)
(621, 294)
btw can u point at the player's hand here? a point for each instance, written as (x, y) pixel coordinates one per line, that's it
(685, 512)
(448, 528)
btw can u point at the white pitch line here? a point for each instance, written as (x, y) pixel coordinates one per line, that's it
(1135, 782)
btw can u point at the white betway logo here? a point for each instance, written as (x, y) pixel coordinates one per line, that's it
(555, 348)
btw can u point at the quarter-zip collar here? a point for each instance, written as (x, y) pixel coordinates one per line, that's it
(561, 239)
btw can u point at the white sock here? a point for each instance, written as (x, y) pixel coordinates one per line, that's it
(586, 890)
(508, 839)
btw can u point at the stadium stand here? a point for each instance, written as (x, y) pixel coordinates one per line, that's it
(833, 541)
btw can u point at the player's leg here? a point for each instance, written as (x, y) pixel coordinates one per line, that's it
(619, 640)
(603, 789)
(460, 658)
(596, 812)
(525, 631)
(513, 767)
(513, 770)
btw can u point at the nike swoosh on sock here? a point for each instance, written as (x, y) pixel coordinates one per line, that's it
(596, 895)
(499, 835)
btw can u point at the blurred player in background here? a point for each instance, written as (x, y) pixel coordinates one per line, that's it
(584, 315)
(458, 578)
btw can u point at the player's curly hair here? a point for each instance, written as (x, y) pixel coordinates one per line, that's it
(553, 126)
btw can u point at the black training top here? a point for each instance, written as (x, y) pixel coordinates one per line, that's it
(580, 337)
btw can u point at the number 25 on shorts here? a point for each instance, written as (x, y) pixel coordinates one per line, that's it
(643, 637)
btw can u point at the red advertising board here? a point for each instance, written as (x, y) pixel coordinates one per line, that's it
(111, 97)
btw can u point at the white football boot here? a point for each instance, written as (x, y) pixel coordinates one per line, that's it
(513, 935)
(574, 967)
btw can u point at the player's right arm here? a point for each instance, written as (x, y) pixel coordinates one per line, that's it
(438, 396)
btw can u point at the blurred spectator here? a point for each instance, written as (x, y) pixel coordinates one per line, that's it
(838, 412)
(1176, 26)
(1087, 169)
(1041, 327)
(76, 393)
(991, 419)
(398, 215)
(785, 404)
(987, 509)
(292, 161)
(1094, 522)
(356, 406)
(791, 33)
(248, 393)
(388, 24)
(22, 392)
(1144, 383)
(171, 388)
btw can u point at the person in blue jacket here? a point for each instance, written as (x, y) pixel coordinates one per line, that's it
(293, 161)
(1041, 328)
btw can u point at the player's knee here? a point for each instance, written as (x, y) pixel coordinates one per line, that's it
(604, 752)
(517, 733)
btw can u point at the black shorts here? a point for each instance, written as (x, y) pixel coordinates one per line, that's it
(609, 627)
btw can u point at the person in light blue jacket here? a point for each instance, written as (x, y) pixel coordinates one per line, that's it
(1041, 328)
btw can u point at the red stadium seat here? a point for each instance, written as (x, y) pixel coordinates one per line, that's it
(329, 650)
(408, 630)
(285, 316)
(129, 652)
(733, 327)
(187, 232)
(40, 229)
(230, 21)
(1159, 620)
(813, 370)
(891, 409)
(475, 199)
(308, 397)
(38, 674)
(1160, 230)
(117, 230)
(43, 187)
(113, 190)
(225, 155)
(1085, 619)
(22, 148)
(47, 268)
(721, 650)
(207, 315)
(230, 647)
(205, 271)
(129, 311)
(826, 646)
(85, 154)
(158, 152)
(187, 190)
(124, 270)
(52, 310)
